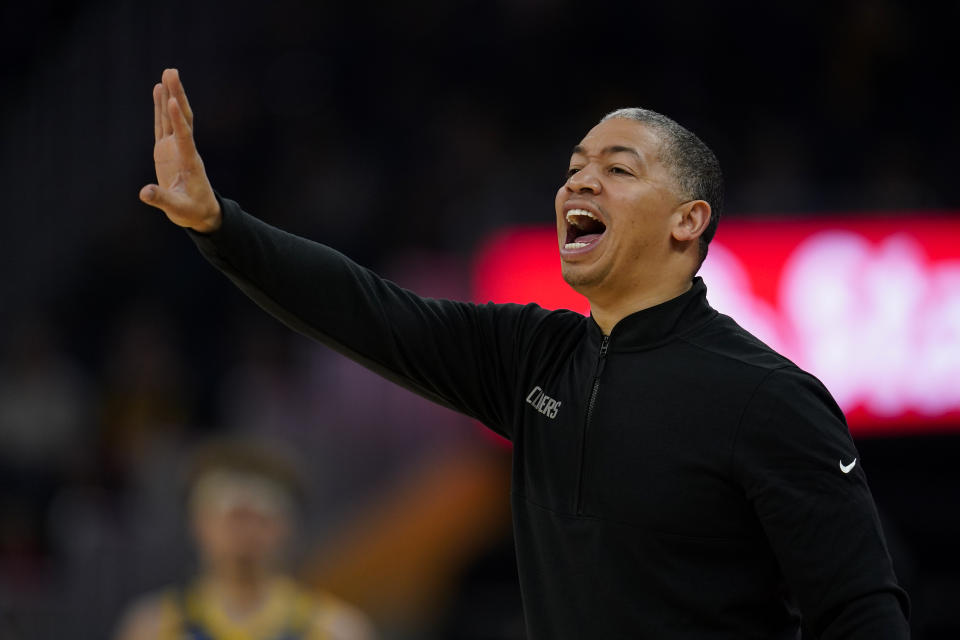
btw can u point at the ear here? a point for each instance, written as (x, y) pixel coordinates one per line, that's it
(692, 219)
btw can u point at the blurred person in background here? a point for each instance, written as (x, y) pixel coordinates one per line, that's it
(145, 402)
(45, 415)
(242, 501)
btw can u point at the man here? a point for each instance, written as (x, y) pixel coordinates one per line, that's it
(242, 502)
(673, 477)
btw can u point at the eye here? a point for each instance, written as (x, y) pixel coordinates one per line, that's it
(621, 171)
(572, 170)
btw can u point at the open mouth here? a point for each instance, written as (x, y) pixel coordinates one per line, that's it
(583, 229)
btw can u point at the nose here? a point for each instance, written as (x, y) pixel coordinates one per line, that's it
(584, 181)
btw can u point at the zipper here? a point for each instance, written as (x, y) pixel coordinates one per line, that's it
(601, 360)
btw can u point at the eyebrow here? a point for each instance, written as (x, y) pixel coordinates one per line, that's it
(610, 150)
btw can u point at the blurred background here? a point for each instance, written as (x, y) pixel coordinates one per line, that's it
(403, 134)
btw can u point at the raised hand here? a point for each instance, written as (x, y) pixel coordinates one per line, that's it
(183, 191)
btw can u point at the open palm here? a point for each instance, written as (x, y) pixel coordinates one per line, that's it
(182, 191)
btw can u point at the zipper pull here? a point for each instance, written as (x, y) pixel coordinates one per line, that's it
(603, 355)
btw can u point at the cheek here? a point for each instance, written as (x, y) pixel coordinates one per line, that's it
(638, 235)
(277, 533)
(647, 219)
(211, 533)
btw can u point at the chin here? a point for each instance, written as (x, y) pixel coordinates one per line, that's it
(247, 566)
(579, 278)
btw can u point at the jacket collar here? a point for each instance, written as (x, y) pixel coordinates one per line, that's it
(648, 327)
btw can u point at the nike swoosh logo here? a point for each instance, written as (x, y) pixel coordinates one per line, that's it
(846, 467)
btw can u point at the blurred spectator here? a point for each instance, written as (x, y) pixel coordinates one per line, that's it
(43, 407)
(242, 500)
(145, 399)
(43, 413)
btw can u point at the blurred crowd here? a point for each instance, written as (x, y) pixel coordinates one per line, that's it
(94, 466)
(402, 135)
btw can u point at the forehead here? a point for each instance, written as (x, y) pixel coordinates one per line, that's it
(220, 492)
(622, 132)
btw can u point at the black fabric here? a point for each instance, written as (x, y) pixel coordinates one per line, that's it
(677, 479)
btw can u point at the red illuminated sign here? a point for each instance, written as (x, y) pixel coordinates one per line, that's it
(870, 306)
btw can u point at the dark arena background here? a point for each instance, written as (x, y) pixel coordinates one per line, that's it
(426, 140)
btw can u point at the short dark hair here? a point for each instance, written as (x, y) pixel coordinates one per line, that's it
(694, 165)
(251, 457)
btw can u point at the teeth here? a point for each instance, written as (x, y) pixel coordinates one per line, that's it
(575, 213)
(574, 245)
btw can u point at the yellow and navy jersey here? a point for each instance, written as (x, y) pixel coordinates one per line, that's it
(288, 613)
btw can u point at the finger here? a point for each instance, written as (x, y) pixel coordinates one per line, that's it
(164, 199)
(182, 132)
(153, 195)
(157, 107)
(175, 86)
(164, 110)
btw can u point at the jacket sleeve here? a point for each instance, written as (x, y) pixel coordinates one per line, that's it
(805, 480)
(461, 355)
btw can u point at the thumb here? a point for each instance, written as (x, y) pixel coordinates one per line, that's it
(154, 195)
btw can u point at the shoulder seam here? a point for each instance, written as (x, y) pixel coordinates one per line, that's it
(783, 364)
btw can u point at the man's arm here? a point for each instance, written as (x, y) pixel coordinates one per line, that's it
(803, 476)
(462, 355)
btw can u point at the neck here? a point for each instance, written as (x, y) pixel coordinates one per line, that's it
(238, 595)
(608, 310)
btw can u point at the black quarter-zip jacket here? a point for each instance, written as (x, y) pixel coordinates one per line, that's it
(675, 479)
